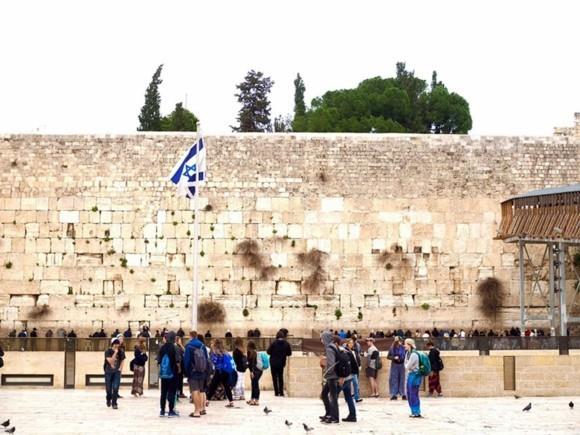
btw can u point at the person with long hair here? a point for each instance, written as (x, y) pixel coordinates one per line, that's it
(168, 372)
(139, 362)
(255, 373)
(413, 378)
(372, 366)
(241, 366)
(222, 363)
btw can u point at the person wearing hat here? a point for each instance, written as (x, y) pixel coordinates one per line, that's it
(397, 373)
(372, 366)
(112, 369)
(413, 378)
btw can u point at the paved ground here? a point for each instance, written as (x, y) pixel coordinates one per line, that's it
(43, 411)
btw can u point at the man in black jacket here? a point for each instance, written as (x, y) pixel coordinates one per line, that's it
(279, 350)
(168, 380)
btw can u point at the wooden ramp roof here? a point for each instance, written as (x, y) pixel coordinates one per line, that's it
(542, 215)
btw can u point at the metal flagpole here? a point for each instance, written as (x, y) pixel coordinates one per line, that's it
(194, 298)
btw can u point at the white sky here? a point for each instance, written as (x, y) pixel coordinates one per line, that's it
(83, 66)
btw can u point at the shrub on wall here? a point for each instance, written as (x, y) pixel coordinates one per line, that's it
(211, 312)
(491, 296)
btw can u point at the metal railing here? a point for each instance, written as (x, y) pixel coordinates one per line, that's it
(481, 344)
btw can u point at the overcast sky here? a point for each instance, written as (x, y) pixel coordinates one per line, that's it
(83, 66)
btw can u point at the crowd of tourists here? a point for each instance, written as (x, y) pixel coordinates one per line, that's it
(212, 373)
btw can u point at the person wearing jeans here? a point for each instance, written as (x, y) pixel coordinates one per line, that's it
(255, 373)
(355, 364)
(279, 351)
(221, 362)
(112, 368)
(169, 385)
(346, 388)
(329, 393)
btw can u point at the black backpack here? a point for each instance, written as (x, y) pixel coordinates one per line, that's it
(342, 366)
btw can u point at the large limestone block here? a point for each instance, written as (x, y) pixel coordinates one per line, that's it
(69, 217)
(55, 287)
(288, 288)
(23, 301)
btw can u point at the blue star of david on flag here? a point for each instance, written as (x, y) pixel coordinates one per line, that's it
(190, 170)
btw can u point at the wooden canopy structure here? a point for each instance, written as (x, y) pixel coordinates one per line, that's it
(549, 217)
(547, 214)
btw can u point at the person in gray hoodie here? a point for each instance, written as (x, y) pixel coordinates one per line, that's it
(329, 393)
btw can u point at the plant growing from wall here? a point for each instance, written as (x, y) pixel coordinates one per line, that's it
(211, 311)
(359, 315)
(491, 296)
(425, 306)
(245, 312)
(338, 313)
(8, 265)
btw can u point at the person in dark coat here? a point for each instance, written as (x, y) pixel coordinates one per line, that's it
(279, 351)
(436, 367)
(169, 385)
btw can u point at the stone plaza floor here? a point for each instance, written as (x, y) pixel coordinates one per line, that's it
(51, 411)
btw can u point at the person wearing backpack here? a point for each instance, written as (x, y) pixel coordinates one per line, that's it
(256, 367)
(137, 366)
(329, 394)
(168, 373)
(414, 377)
(436, 367)
(224, 367)
(397, 373)
(349, 364)
(241, 366)
(196, 368)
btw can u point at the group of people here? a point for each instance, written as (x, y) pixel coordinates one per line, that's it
(210, 371)
(341, 364)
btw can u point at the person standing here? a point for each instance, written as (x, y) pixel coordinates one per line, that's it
(397, 373)
(436, 367)
(347, 386)
(255, 373)
(355, 367)
(139, 368)
(168, 373)
(196, 369)
(112, 369)
(279, 351)
(241, 366)
(330, 389)
(180, 352)
(221, 361)
(413, 378)
(372, 369)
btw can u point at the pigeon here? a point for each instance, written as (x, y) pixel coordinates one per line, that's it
(517, 397)
(527, 408)
(6, 423)
(266, 410)
(287, 423)
(306, 428)
(11, 430)
(571, 405)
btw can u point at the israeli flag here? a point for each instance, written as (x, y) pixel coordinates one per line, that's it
(190, 170)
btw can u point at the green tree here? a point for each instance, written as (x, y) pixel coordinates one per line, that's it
(254, 116)
(150, 117)
(299, 121)
(180, 119)
(403, 103)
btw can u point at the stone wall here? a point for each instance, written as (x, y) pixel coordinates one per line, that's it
(91, 232)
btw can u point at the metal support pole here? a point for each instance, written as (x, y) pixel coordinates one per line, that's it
(522, 287)
(552, 289)
(562, 288)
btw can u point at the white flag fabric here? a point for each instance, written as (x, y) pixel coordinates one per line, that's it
(190, 170)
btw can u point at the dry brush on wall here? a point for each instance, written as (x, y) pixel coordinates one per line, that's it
(313, 261)
(492, 294)
(211, 312)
